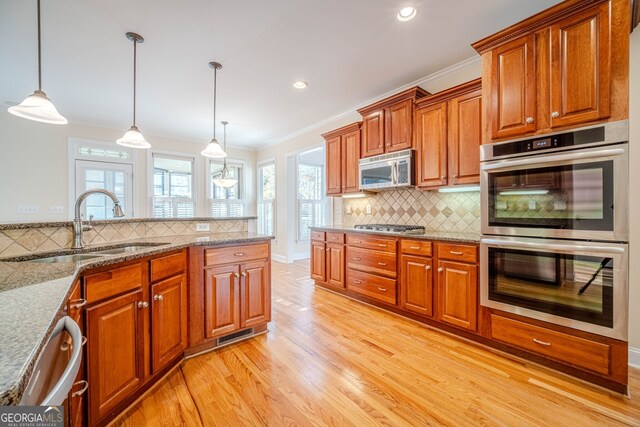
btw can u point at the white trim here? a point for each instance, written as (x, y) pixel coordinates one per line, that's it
(149, 177)
(266, 162)
(462, 65)
(301, 256)
(279, 258)
(207, 179)
(634, 357)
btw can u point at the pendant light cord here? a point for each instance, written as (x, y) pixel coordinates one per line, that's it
(134, 79)
(215, 93)
(39, 53)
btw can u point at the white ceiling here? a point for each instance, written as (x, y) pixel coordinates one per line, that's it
(349, 51)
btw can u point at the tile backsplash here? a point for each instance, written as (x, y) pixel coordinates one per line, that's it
(22, 241)
(458, 212)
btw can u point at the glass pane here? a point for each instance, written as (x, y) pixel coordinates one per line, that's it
(99, 205)
(224, 193)
(377, 175)
(268, 182)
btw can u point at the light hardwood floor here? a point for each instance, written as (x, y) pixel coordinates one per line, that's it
(328, 360)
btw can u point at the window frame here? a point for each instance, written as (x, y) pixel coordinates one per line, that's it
(242, 185)
(328, 205)
(259, 165)
(151, 181)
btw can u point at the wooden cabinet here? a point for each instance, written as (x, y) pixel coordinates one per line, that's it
(255, 293)
(342, 156)
(222, 300)
(387, 125)
(564, 67)
(328, 259)
(77, 396)
(318, 261)
(335, 265)
(416, 284)
(168, 321)
(458, 294)
(448, 130)
(115, 352)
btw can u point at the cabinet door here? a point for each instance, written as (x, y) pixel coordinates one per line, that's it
(458, 294)
(350, 156)
(398, 126)
(334, 165)
(222, 300)
(513, 88)
(115, 352)
(431, 141)
(255, 294)
(416, 284)
(335, 265)
(581, 66)
(168, 321)
(318, 262)
(465, 137)
(373, 134)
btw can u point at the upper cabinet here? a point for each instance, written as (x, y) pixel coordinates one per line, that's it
(387, 125)
(343, 153)
(567, 66)
(448, 128)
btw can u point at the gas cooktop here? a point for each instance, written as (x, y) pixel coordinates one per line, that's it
(395, 228)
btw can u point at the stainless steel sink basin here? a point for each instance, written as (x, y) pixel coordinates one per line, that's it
(124, 249)
(66, 258)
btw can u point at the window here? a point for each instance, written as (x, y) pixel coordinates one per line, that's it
(173, 192)
(226, 201)
(312, 203)
(266, 198)
(100, 165)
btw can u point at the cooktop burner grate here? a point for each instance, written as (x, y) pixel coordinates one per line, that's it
(396, 228)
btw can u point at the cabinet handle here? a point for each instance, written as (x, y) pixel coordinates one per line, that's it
(158, 297)
(143, 304)
(529, 120)
(78, 303)
(334, 238)
(440, 269)
(355, 258)
(84, 341)
(357, 282)
(239, 254)
(382, 289)
(455, 175)
(555, 115)
(455, 253)
(427, 267)
(382, 263)
(414, 247)
(80, 392)
(545, 343)
(443, 177)
(357, 241)
(382, 245)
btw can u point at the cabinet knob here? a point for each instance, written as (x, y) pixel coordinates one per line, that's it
(440, 269)
(143, 304)
(158, 297)
(455, 175)
(555, 115)
(427, 267)
(237, 275)
(443, 177)
(529, 120)
(244, 274)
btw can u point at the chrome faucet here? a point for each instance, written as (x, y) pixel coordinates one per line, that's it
(79, 227)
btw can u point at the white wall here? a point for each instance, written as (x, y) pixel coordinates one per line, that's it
(634, 197)
(285, 247)
(34, 159)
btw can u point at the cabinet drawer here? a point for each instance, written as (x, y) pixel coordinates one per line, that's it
(376, 262)
(372, 242)
(217, 256)
(109, 283)
(456, 252)
(168, 266)
(566, 348)
(335, 238)
(317, 235)
(416, 247)
(372, 286)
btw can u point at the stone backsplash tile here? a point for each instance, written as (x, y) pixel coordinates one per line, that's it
(459, 212)
(24, 241)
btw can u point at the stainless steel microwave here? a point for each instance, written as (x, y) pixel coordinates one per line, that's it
(388, 171)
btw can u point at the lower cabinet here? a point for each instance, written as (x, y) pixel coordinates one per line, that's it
(335, 265)
(458, 294)
(255, 294)
(328, 259)
(222, 300)
(416, 283)
(168, 321)
(318, 261)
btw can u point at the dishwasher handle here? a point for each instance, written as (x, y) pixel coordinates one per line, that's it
(60, 391)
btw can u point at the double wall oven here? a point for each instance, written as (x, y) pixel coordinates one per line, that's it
(555, 228)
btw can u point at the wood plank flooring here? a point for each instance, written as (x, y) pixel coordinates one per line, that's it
(328, 360)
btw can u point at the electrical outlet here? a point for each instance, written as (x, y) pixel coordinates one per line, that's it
(560, 205)
(349, 209)
(56, 209)
(28, 209)
(368, 209)
(532, 205)
(202, 226)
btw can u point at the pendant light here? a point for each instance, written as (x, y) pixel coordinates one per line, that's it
(213, 149)
(37, 106)
(224, 180)
(133, 137)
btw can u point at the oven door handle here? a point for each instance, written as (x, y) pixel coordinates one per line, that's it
(553, 246)
(555, 158)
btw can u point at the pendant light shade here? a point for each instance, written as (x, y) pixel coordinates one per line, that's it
(224, 180)
(37, 106)
(213, 149)
(133, 138)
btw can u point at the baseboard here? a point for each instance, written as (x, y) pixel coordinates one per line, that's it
(634, 357)
(279, 258)
(298, 257)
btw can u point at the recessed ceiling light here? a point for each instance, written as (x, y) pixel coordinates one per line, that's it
(407, 13)
(300, 84)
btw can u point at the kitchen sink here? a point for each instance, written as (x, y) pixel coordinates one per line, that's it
(126, 249)
(66, 258)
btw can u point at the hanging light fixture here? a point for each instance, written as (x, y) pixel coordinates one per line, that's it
(133, 138)
(37, 106)
(213, 149)
(224, 180)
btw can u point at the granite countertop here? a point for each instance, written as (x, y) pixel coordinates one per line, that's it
(443, 236)
(33, 295)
